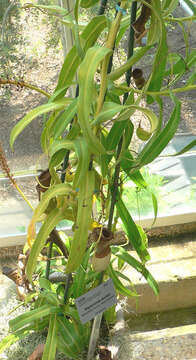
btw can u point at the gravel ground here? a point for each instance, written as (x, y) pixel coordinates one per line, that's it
(181, 347)
(8, 301)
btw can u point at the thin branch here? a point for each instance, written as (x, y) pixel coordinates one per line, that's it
(22, 84)
(161, 92)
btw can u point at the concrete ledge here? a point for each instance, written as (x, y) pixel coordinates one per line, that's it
(166, 344)
(173, 295)
(173, 265)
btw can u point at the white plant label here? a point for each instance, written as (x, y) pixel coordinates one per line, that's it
(96, 301)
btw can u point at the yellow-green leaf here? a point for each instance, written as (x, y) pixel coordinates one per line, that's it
(20, 126)
(54, 217)
(80, 237)
(86, 74)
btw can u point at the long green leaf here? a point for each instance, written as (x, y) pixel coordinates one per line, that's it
(156, 146)
(80, 237)
(169, 6)
(123, 290)
(72, 60)
(124, 255)
(191, 60)
(64, 119)
(76, 9)
(124, 25)
(86, 74)
(83, 155)
(132, 231)
(114, 75)
(12, 338)
(54, 217)
(51, 341)
(127, 161)
(128, 134)
(30, 316)
(156, 23)
(177, 65)
(69, 341)
(111, 142)
(114, 135)
(155, 207)
(153, 119)
(157, 29)
(82, 330)
(79, 283)
(52, 192)
(59, 145)
(191, 80)
(20, 126)
(88, 3)
(109, 110)
(185, 149)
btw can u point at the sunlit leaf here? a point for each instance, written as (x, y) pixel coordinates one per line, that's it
(160, 60)
(177, 65)
(123, 290)
(88, 3)
(79, 242)
(80, 276)
(30, 316)
(42, 109)
(157, 144)
(185, 149)
(109, 110)
(138, 54)
(123, 254)
(64, 119)
(86, 74)
(51, 341)
(72, 60)
(50, 222)
(169, 6)
(132, 231)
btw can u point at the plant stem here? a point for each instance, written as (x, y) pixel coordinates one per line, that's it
(128, 77)
(161, 93)
(109, 44)
(97, 320)
(131, 44)
(48, 260)
(115, 186)
(102, 7)
(65, 165)
(22, 84)
(23, 196)
(68, 283)
(182, 19)
(9, 175)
